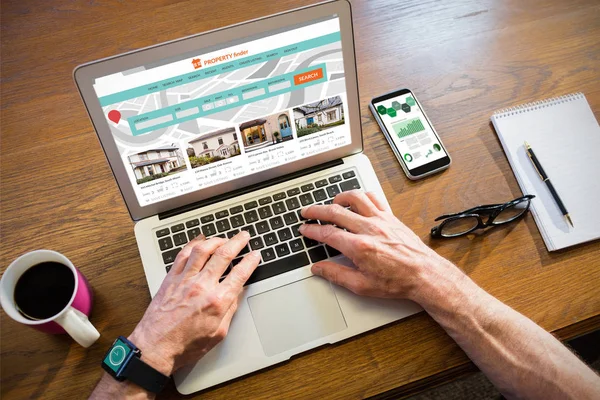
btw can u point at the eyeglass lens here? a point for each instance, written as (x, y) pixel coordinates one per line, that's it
(458, 226)
(512, 212)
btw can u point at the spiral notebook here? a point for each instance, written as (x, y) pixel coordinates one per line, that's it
(565, 136)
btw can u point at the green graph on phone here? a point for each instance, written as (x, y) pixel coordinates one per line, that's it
(408, 127)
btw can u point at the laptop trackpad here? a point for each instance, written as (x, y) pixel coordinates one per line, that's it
(295, 314)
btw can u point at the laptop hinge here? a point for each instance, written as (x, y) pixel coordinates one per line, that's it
(251, 188)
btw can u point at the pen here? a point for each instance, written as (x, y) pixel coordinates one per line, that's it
(542, 174)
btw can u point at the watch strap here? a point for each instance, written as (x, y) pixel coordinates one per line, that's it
(145, 376)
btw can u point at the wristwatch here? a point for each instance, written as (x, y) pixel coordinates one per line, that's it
(123, 361)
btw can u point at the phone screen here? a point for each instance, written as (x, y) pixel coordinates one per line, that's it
(410, 131)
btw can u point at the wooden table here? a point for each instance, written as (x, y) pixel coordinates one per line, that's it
(463, 59)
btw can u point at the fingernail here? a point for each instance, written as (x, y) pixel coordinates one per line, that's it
(316, 269)
(200, 237)
(301, 228)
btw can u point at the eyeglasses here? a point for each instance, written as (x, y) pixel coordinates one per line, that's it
(469, 220)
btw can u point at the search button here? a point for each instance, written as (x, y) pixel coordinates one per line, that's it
(308, 76)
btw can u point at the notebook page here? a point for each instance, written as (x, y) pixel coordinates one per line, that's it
(565, 136)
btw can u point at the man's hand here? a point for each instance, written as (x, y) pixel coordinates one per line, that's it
(519, 357)
(192, 310)
(391, 260)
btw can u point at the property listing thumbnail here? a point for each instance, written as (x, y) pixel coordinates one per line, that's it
(212, 147)
(320, 115)
(216, 156)
(320, 126)
(267, 131)
(157, 163)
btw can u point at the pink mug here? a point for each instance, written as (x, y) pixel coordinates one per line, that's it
(73, 319)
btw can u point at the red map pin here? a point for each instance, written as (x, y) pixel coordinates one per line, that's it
(114, 116)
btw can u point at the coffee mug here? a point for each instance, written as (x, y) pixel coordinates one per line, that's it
(73, 312)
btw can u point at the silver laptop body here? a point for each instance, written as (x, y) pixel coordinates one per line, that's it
(238, 128)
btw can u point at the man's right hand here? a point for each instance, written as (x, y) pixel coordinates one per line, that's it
(391, 261)
(518, 356)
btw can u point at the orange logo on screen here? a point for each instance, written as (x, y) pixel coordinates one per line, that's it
(196, 63)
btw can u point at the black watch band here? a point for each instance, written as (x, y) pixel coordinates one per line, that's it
(145, 376)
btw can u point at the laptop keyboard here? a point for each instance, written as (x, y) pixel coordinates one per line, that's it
(272, 222)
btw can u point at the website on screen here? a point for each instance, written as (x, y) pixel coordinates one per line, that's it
(229, 113)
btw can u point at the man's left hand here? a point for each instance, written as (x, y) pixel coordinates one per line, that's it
(192, 310)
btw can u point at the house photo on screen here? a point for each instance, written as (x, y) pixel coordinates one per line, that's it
(267, 131)
(157, 162)
(318, 116)
(213, 146)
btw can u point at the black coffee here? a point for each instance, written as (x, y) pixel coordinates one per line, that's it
(44, 290)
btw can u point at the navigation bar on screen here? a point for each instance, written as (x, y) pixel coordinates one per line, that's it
(236, 97)
(207, 72)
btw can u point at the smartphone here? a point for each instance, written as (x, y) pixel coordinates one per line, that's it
(409, 132)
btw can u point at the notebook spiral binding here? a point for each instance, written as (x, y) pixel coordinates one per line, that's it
(523, 108)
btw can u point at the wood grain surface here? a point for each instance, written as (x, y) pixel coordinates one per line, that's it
(463, 59)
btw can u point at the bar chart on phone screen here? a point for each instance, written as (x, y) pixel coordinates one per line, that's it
(408, 127)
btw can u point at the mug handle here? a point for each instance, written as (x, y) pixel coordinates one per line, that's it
(78, 326)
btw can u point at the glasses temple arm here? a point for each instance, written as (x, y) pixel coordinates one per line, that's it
(479, 209)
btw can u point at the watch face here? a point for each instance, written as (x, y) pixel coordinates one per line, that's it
(117, 355)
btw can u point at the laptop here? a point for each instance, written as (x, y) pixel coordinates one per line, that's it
(238, 129)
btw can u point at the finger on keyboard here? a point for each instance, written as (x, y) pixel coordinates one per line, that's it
(335, 214)
(199, 252)
(223, 255)
(359, 202)
(234, 282)
(332, 236)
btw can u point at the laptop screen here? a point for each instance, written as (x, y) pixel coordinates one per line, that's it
(185, 124)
